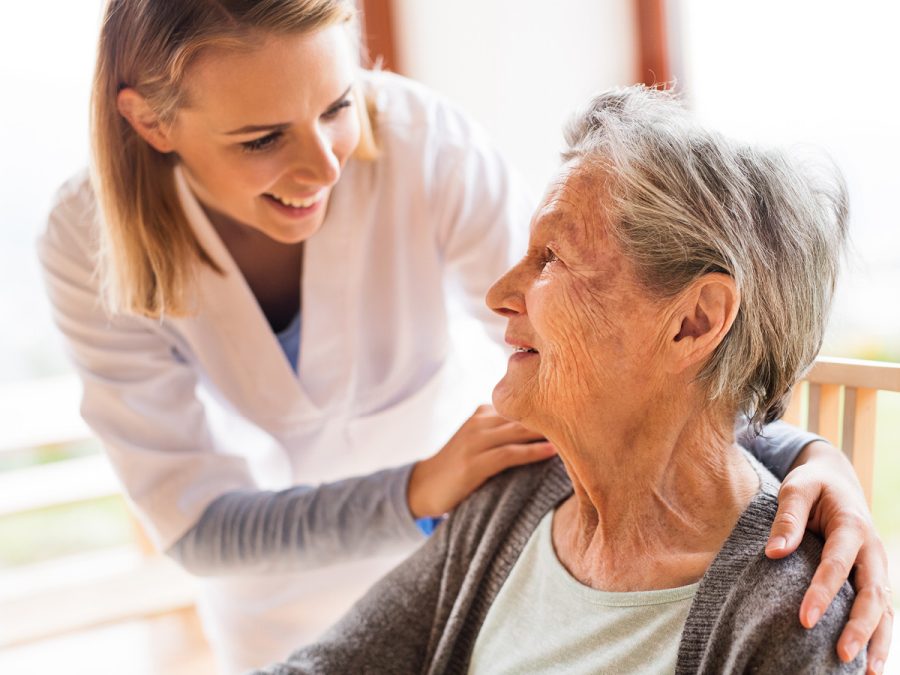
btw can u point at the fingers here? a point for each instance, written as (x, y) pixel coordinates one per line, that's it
(838, 555)
(794, 505)
(485, 417)
(511, 433)
(865, 616)
(493, 430)
(515, 454)
(484, 445)
(869, 608)
(881, 640)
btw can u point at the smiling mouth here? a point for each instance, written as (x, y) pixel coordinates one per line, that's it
(300, 203)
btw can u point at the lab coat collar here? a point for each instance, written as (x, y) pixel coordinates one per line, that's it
(249, 356)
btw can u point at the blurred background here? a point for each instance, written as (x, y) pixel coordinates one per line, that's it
(78, 583)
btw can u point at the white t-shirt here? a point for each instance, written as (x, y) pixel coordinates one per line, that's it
(544, 621)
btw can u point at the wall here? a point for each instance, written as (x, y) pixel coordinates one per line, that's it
(46, 60)
(818, 74)
(518, 66)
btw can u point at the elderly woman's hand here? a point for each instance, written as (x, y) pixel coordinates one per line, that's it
(485, 445)
(822, 492)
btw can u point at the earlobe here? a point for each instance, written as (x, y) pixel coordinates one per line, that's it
(135, 109)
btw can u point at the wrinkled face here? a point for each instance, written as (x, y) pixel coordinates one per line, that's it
(586, 334)
(266, 132)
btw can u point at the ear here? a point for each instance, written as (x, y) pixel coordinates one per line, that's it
(134, 108)
(704, 315)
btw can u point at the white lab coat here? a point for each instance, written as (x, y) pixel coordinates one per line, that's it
(190, 408)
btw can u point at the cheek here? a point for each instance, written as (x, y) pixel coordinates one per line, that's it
(346, 139)
(577, 321)
(577, 340)
(251, 176)
(230, 175)
(599, 345)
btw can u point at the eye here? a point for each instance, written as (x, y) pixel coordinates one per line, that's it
(263, 143)
(335, 110)
(549, 256)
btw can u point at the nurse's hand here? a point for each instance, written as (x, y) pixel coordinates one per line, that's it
(822, 493)
(485, 445)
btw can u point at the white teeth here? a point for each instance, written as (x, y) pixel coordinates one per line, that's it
(299, 203)
(526, 349)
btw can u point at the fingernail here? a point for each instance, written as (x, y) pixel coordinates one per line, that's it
(851, 649)
(776, 544)
(878, 666)
(812, 616)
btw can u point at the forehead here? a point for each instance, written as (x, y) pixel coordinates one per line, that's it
(573, 207)
(274, 80)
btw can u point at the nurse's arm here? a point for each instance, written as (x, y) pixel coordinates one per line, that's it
(301, 528)
(306, 527)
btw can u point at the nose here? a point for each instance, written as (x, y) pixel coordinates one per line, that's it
(317, 162)
(505, 297)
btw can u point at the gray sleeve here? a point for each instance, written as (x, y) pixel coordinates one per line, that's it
(251, 531)
(777, 446)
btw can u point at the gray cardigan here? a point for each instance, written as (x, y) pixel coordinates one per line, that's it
(424, 616)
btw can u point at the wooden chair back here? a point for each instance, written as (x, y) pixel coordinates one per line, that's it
(837, 400)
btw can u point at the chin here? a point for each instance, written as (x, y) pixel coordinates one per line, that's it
(291, 234)
(504, 401)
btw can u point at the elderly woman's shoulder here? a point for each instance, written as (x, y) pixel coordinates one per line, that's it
(517, 494)
(525, 482)
(750, 603)
(774, 590)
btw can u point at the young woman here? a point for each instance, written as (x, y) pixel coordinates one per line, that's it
(252, 283)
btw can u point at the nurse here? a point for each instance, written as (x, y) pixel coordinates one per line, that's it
(253, 287)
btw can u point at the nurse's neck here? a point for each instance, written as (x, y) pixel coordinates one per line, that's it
(231, 230)
(271, 269)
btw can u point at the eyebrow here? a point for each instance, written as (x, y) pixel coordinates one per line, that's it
(281, 126)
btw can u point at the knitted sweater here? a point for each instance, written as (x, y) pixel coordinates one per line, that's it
(424, 616)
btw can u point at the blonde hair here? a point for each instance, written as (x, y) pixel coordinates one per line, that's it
(148, 249)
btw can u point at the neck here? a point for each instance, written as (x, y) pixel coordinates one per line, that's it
(652, 503)
(233, 232)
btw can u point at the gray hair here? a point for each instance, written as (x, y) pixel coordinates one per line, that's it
(684, 201)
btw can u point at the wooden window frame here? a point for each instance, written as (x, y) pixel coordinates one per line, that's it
(378, 34)
(654, 59)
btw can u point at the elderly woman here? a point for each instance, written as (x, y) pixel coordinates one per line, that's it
(673, 280)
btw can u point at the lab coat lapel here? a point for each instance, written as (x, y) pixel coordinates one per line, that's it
(331, 294)
(243, 356)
